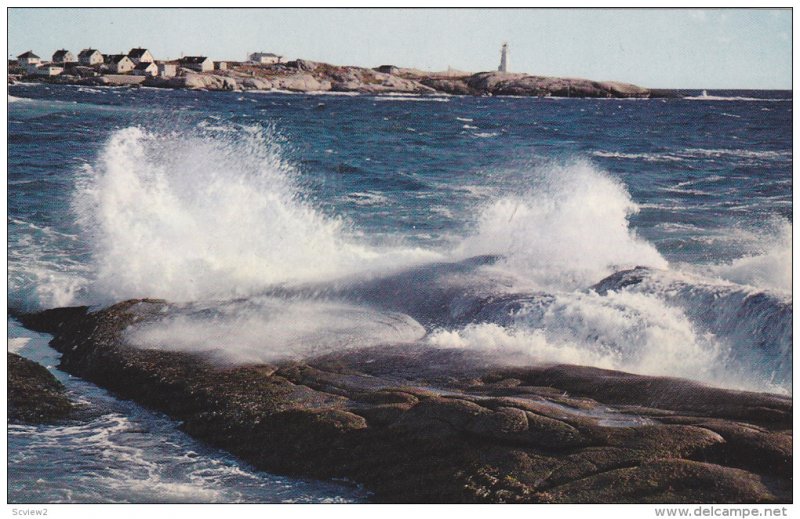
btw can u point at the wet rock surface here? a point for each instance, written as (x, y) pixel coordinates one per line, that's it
(34, 395)
(416, 424)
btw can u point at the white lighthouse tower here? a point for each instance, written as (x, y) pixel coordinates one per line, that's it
(503, 58)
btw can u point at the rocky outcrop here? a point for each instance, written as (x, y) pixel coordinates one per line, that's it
(303, 76)
(194, 82)
(34, 395)
(253, 83)
(301, 83)
(109, 80)
(417, 424)
(450, 86)
(303, 64)
(309, 76)
(372, 82)
(503, 83)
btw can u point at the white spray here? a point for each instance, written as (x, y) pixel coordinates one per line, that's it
(188, 217)
(569, 231)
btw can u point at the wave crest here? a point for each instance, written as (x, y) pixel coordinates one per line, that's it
(569, 230)
(188, 216)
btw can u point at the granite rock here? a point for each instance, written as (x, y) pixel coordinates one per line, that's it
(419, 424)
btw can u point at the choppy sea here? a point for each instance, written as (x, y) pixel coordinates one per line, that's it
(292, 224)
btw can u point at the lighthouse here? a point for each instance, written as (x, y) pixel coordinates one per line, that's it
(503, 58)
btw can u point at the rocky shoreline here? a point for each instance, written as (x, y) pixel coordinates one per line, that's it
(418, 424)
(34, 394)
(312, 77)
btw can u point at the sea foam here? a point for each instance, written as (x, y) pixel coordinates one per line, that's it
(569, 230)
(768, 265)
(207, 215)
(267, 329)
(187, 216)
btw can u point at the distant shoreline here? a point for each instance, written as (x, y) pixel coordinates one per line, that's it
(301, 76)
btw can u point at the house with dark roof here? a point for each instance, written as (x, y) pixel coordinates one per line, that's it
(198, 63)
(265, 58)
(118, 63)
(64, 56)
(146, 68)
(28, 58)
(90, 57)
(49, 69)
(140, 55)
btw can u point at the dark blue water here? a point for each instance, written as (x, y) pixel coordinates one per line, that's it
(120, 452)
(368, 209)
(665, 151)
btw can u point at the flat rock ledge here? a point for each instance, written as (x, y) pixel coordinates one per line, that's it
(418, 424)
(34, 394)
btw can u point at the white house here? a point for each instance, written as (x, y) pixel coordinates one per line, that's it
(167, 69)
(198, 63)
(265, 58)
(49, 69)
(118, 63)
(89, 57)
(28, 58)
(146, 68)
(64, 56)
(220, 65)
(139, 55)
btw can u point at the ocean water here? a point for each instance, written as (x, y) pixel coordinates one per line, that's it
(291, 224)
(119, 452)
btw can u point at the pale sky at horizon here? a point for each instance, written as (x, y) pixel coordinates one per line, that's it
(659, 48)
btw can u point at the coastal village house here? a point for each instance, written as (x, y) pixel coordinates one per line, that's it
(146, 68)
(220, 65)
(89, 57)
(167, 69)
(198, 63)
(48, 69)
(64, 56)
(118, 63)
(139, 55)
(28, 58)
(265, 58)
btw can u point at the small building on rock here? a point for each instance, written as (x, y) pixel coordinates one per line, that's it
(90, 57)
(198, 63)
(64, 56)
(118, 63)
(28, 58)
(265, 58)
(146, 68)
(140, 55)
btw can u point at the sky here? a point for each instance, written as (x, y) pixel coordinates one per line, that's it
(657, 48)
